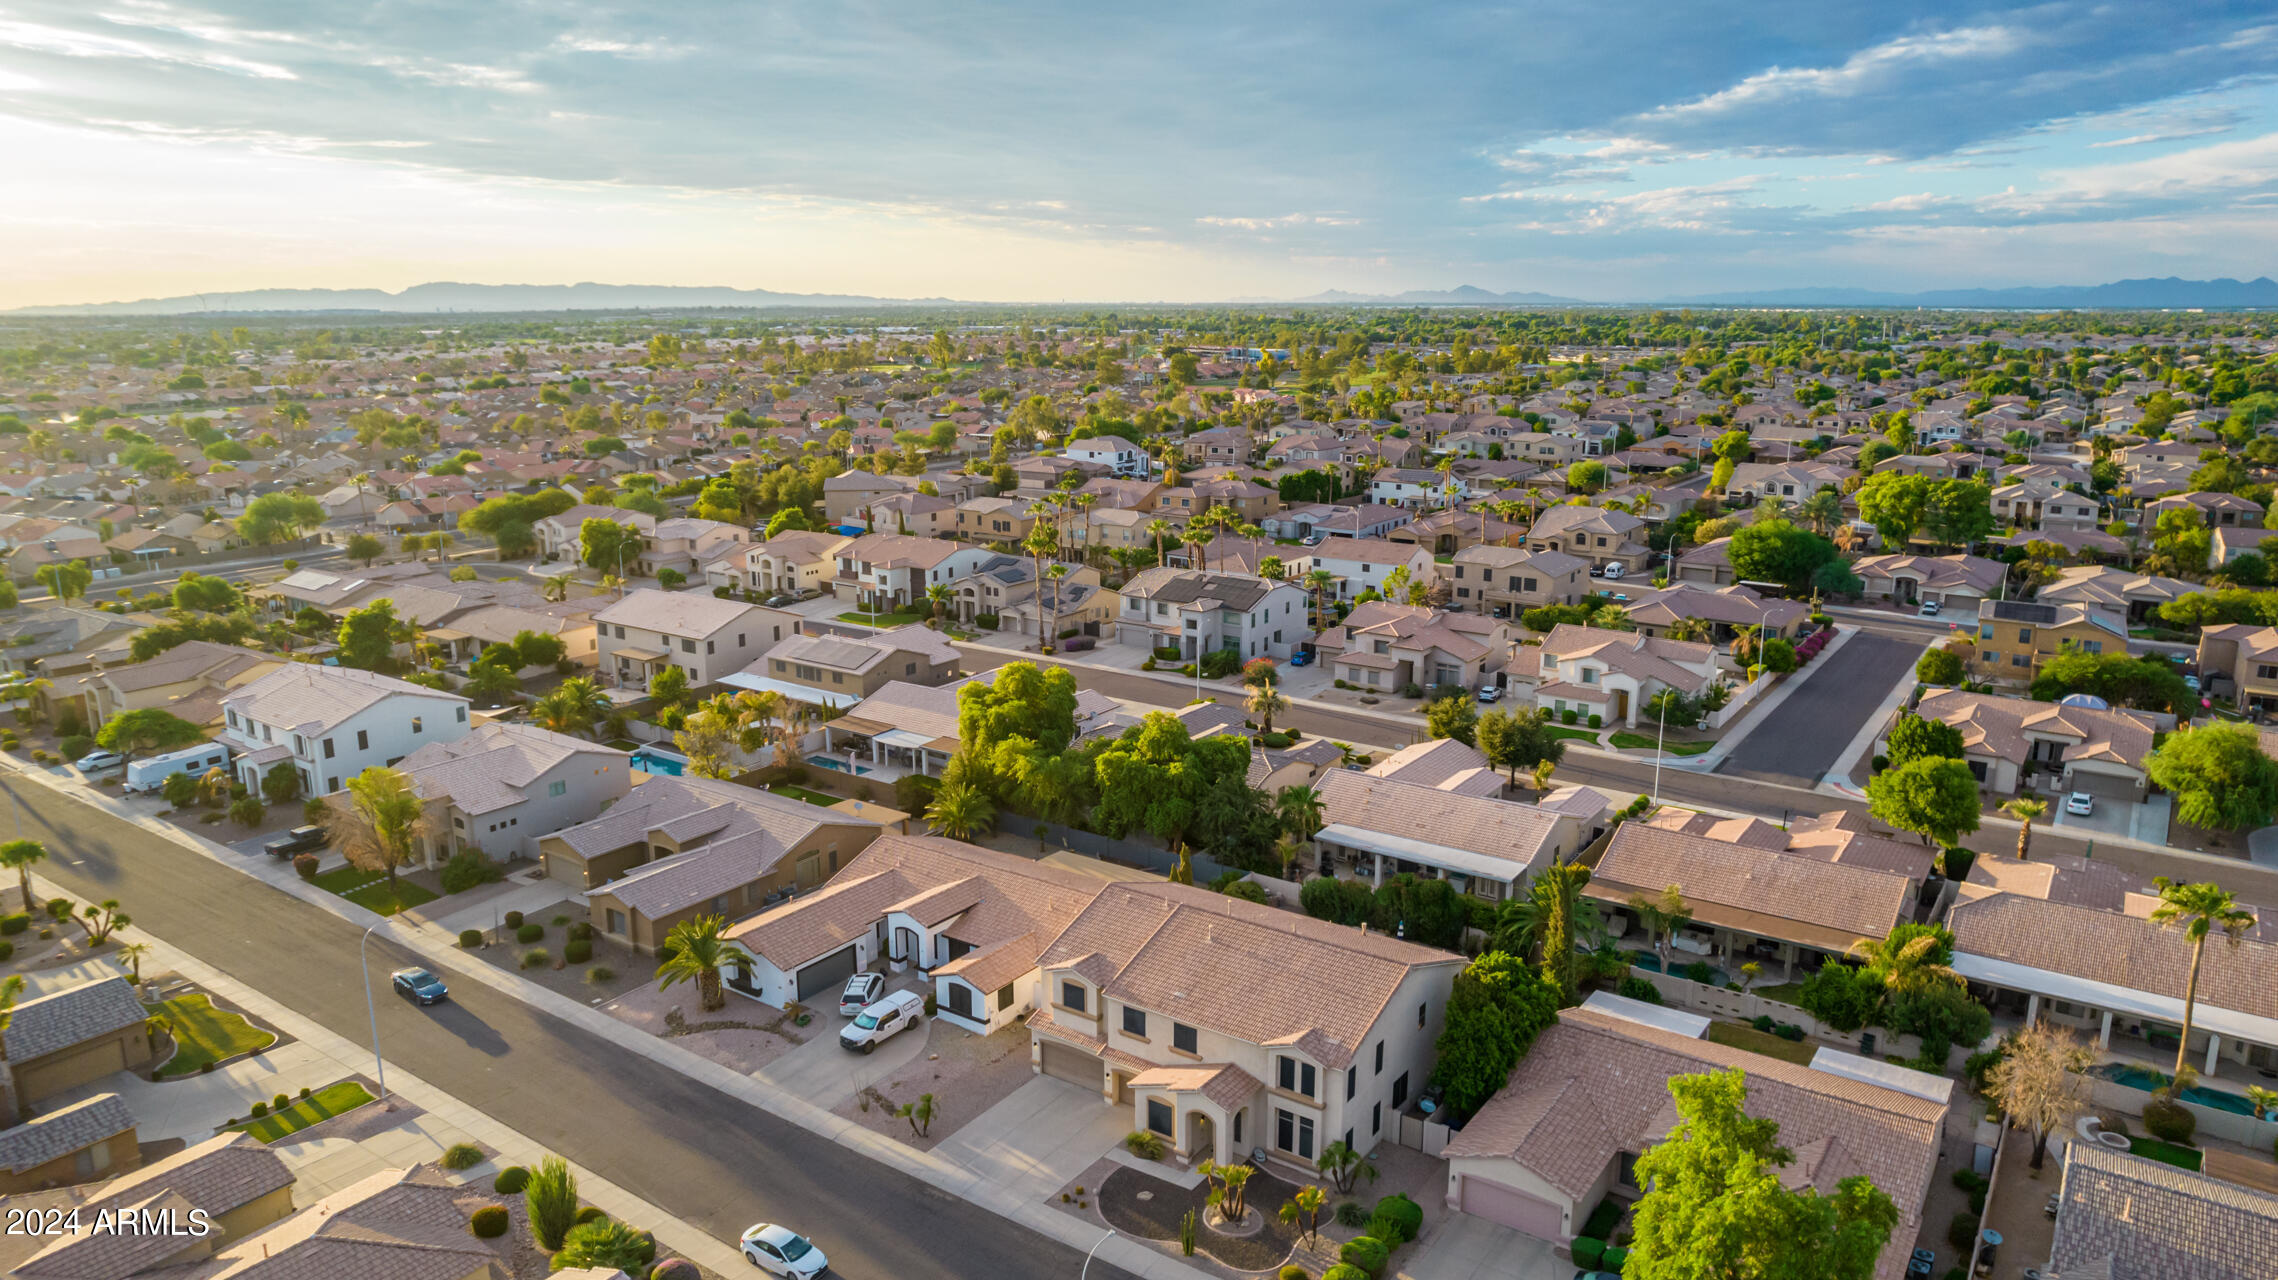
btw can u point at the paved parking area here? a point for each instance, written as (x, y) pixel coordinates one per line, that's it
(1462, 1247)
(2146, 821)
(1038, 1139)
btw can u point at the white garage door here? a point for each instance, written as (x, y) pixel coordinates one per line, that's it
(1515, 1209)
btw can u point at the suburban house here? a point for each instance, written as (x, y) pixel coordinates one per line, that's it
(684, 544)
(1953, 582)
(1594, 534)
(2009, 741)
(1612, 675)
(1708, 565)
(1132, 1003)
(187, 680)
(1362, 564)
(847, 495)
(1443, 763)
(908, 728)
(1725, 611)
(505, 785)
(1592, 1094)
(2014, 637)
(706, 637)
(2042, 503)
(1379, 827)
(73, 1037)
(2132, 596)
(1509, 580)
(1118, 455)
(558, 534)
(1753, 899)
(237, 1181)
(2134, 1218)
(2242, 660)
(795, 562)
(839, 671)
(997, 520)
(77, 1142)
(332, 723)
(1388, 646)
(890, 571)
(1198, 612)
(1217, 446)
(677, 847)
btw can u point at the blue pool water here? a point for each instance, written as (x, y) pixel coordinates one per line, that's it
(2145, 1078)
(651, 760)
(1648, 960)
(833, 762)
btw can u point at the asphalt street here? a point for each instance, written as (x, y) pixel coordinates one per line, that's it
(701, 1155)
(1797, 743)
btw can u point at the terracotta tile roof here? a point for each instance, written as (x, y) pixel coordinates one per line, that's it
(2112, 947)
(1223, 1083)
(2009, 728)
(2128, 1218)
(1765, 891)
(1516, 833)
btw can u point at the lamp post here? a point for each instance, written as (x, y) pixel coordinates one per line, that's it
(1660, 741)
(371, 1007)
(1095, 1249)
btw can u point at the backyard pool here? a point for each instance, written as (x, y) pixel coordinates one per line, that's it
(652, 760)
(833, 762)
(2146, 1079)
(1648, 960)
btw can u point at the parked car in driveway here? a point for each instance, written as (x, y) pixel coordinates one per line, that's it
(1929, 609)
(890, 1016)
(419, 985)
(783, 1252)
(2081, 803)
(862, 990)
(97, 761)
(1490, 694)
(297, 840)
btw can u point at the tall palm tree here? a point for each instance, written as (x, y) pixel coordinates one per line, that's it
(695, 952)
(1042, 542)
(1301, 811)
(1908, 959)
(937, 595)
(2026, 811)
(960, 810)
(23, 855)
(1319, 581)
(1264, 701)
(1159, 529)
(2198, 910)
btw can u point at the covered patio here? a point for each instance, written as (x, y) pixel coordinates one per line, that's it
(884, 751)
(1373, 855)
(2125, 1025)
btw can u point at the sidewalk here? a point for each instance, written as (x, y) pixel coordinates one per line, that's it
(438, 946)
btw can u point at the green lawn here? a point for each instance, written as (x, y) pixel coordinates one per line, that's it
(369, 889)
(802, 793)
(325, 1103)
(204, 1034)
(902, 619)
(1739, 1035)
(1587, 735)
(1638, 741)
(2167, 1153)
(1784, 992)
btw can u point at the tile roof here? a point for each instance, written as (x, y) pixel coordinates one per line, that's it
(219, 1175)
(1197, 587)
(2118, 948)
(489, 768)
(72, 1016)
(729, 836)
(307, 698)
(398, 1224)
(2123, 1217)
(60, 1132)
(2010, 728)
(1520, 834)
(1681, 664)
(1223, 1083)
(1765, 891)
(694, 614)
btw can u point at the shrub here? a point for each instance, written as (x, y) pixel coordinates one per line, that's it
(1294, 1272)
(1367, 1253)
(536, 958)
(582, 931)
(1144, 1143)
(577, 951)
(14, 923)
(1597, 721)
(1350, 1214)
(1569, 716)
(304, 865)
(530, 932)
(590, 1213)
(551, 1198)
(470, 938)
(1344, 1271)
(1589, 1251)
(1615, 1257)
(513, 919)
(304, 1090)
(510, 1180)
(1961, 1233)
(600, 973)
(2169, 1120)
(1699, 971)
(1397, 1219)
(280, 1102)
(676, 1269)
(77, 745)
(469, 868)
(1788, 1031)
(561, 920)
(490, 1222)
(1762, 1022)
(7, 950)
(1637, 988)
(462, 1156)
(260, 1109)
(1879, 763)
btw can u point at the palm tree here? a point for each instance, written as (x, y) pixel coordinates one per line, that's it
(2026, 811)
(960, 810)
(132, 953)
(1662, 915)
(1690, 629)
(1300, 811)
(557, 587)
(2197, 910)
(1159, 530)
(1263, 702)
(23, 855)
(1319, 581)
(573, 706)
(1908, 959)
(1041, 542)
(695, 952)
(937, 595)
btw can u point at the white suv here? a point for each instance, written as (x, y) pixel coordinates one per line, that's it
(861, 989)
(889, 1016)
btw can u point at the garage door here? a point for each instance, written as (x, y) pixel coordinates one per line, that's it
(1515, 1209)
(71, 1069)
(1066, 1062)
(2108, 786)
(827, 976)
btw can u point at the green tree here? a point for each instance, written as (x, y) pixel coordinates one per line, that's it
(1937, 666)
(1958, 513)
(367, 636)
(1776, 551)
(2221, 779)
(1498, 1006)
(206, 595)
(1934, 797)
(147, 730)
(65, 580)
(378, 821)
(695, 951)
(550, 1197)
(1920, 738)
(364, 547)
(605, 544)
(669, 686)
(961, 811)
(1895, 504)
(573, 706)
(1718, 1206)
(2198, 911)
(1517, 738)
(1453, 716)
(2149, 683)
(1586, 476)
(278, 517)
(282, 783)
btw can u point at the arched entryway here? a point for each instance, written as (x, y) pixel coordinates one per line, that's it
(1201, 1136)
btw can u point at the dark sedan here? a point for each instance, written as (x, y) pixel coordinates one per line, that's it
(420, 985)
(297, 840)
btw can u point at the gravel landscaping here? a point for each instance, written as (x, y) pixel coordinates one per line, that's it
(744, 1036)
(966, 1074)
(1138, 1204)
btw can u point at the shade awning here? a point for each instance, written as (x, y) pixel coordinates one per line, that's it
(2104, 995)
(785, 688)
(1487, 866)
(640, 655)
(907, 738)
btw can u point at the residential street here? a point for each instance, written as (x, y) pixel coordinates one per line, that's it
(1799, 741)
(712, 1160)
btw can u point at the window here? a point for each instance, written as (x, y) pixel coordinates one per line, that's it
(1072, 995)
(1376, 1119)
(1379, 1058)
(1352, 1081)
(328, 748)
(363, 740)
(2024, 635)
(708, 646)
(1297, 1077)
(1134, 1022)
(1400, 1091)
(462, 715)
(1184, 1040)
(1238, 1125)
(558, 787)
(1293, 1133)
(415, 724)
(687, 645)
(1423, 1008)
(1004, 996)
(1159, 1116)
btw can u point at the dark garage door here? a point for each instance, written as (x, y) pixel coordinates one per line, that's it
(1066, 1062)
(828, 975)
(2105, 786)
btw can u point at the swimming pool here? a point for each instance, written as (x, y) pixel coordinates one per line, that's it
(2145, 1078)
(833, 762)
(1648, 960)
(653, 760)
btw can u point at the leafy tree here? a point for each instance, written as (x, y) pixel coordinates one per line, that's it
(1942, 1014)
(1346, 902)
(1938, 666)
(788, 518)
(1453, 716)
(205, 594)
(1586, 476)
(147, 730)
(1920, 738)
(1517, 738)
(603, 544)
(1427, 911)
(1776, 551)
(65, 580)
(535, 649)
(2149, 683)
(1717, 1204)
(1156, 777)
(1895, 504)
(695, 951)
(1958, 513)
(1841, 996)
(1498, 1006)
(1935, 798)
(2197, 911)
(2221, 779)
(278, 517)
(368, 635)
(8, 598)
(364, 547)
(378, 821)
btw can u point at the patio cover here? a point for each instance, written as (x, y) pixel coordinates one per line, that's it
(904, 738)
(640, 655)
(2103, 995)
(793, 692)
(1506, 870)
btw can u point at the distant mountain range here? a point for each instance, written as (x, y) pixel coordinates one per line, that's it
(444, 298)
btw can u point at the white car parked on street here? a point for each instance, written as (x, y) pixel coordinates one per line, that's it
(783, 1252)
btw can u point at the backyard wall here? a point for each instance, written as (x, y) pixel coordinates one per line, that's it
(1130, 853)
(1744, 1007)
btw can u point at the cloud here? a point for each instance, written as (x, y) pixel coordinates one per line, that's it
(1550, 168)
(1879, 67)
(1917, 203)
(577, 43)
(1276, 223)
(458, 75)
(34, 37)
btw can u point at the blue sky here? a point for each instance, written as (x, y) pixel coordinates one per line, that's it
(1608, 150)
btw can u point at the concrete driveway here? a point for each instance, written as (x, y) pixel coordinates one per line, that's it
(826, 1073)
(2146, 821)
(1462, 1247)
(1039, 1138)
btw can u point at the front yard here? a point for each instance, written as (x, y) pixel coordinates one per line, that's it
(966, 1074)
(204, 1035)
(1640, 742)
(323, 1104)
(369, 889)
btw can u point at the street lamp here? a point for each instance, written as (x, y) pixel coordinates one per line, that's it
(1660, 740)
(1095, 1249)
(371, 1008)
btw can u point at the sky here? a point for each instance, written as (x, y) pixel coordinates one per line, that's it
(1607, 149)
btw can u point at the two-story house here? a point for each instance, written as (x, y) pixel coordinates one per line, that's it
(504, 786)
(2241, 659)
(839, 671)
(890, 571)
(558, 534)
(1362, 564)
(1198, 612)
(795, 562)
(332, 723)
(2006, 741)
(1507, 581)
(998, 520)
(1595, 534)
(706, 637)
(1387, 647)
(1118, 455)
(2015, 637)
(1217, 447)
(1614, 675)
(685, 543)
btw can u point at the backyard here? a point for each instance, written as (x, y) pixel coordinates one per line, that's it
(1740, 1036)
(204, 1035)
(325, 1103)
